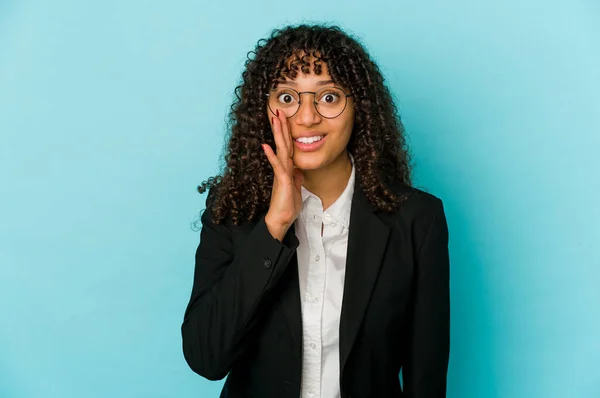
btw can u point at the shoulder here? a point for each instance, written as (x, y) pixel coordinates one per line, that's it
(420, 214)
(417, 203)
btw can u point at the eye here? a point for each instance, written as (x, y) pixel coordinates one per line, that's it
(329, 97)
(286, 98)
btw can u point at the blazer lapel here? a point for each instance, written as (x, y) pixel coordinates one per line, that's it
(367, 240)
(290, 297)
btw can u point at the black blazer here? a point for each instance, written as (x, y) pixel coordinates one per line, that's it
(244, 316)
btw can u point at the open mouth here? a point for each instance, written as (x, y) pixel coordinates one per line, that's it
(309, 140)
(308, 144)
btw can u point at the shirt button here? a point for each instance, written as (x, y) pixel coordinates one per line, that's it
(327, 217)
(267, 263)
(313, 346)
(317, 257)
(332, 224)
(311, 393)
(315, 300)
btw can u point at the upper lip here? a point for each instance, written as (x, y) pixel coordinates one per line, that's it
(309, 134)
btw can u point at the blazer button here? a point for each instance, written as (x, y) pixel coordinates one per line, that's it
(267, 263)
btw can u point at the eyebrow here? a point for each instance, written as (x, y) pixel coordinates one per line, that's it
(319, 83)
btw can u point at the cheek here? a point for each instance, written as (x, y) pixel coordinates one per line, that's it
(346, 128)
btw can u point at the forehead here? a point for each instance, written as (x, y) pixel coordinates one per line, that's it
(311, 81)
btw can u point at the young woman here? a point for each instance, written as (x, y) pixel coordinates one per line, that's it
(321, 272)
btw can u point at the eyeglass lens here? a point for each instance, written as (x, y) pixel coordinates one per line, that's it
(329, 102)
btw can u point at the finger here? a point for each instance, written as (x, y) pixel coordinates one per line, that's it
(282, 152)
(274, 160)
(286, 132)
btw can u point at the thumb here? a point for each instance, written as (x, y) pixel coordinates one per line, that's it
(298, 178)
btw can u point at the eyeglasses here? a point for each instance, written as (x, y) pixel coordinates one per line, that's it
(330, 102)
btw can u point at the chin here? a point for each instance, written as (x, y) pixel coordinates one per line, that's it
(309, 161)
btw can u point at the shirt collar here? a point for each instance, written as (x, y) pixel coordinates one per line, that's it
(340, 209)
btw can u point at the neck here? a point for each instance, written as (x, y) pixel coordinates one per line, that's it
(329, 182)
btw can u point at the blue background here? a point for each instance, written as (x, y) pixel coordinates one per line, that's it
(112, 112)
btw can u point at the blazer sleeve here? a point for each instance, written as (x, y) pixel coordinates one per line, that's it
(428, 350)
(228, 291)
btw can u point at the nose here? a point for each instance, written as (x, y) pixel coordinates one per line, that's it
(307, 114)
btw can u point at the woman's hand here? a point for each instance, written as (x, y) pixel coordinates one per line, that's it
(286, 197)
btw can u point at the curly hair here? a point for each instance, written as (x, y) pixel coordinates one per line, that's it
(377, 143)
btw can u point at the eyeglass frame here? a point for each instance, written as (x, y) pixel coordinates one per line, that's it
(314, 93)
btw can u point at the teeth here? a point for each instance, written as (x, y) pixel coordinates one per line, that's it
(309, 140)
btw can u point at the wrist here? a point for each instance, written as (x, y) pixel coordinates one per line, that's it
(276, 228)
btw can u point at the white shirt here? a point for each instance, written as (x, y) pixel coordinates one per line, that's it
(321, 272)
